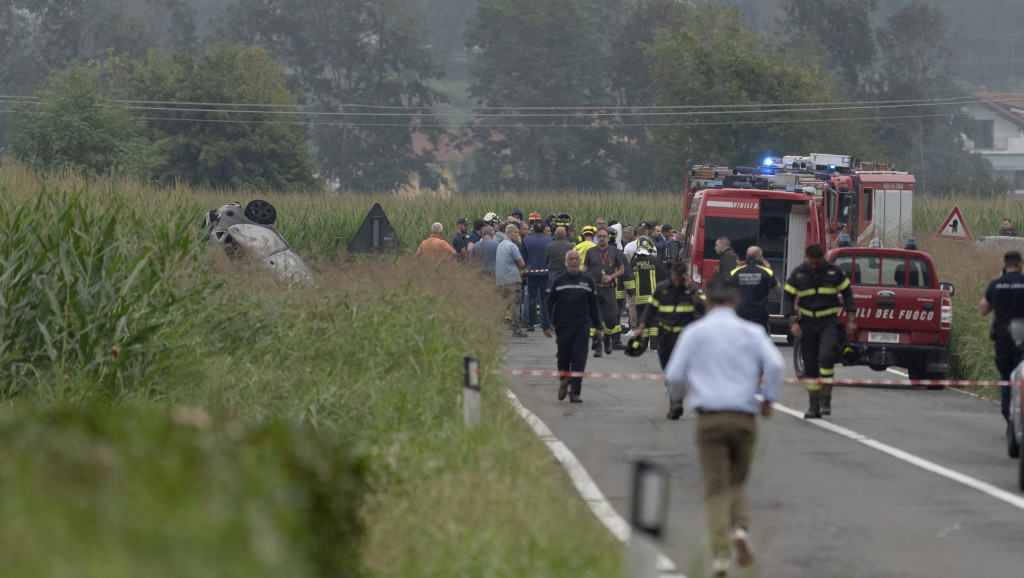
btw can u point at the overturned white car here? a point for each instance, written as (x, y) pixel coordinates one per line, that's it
(250, 234)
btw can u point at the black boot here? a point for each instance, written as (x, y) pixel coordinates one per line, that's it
(617, 344)
(597, 347)
(563, 387)
(675, 409)
(574, 395)
(814, 412)
(654, 344)
(607, 343)
(826, 399)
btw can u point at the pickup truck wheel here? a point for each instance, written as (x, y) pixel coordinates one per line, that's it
(798, 359)
(917, 371)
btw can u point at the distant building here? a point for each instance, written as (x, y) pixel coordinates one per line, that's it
(1000, 137)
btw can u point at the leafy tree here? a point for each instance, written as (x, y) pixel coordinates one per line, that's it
(77, 124)
(913, 69)
(719, 72)
(228, 142)
(40, 36)
(631, 85)
(357, 61)
(841, 29)
(546, 60)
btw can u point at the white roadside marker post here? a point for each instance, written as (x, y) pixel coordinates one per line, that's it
(471, 391)
(648, 515)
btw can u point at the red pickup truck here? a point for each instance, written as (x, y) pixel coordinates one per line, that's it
(904, 314)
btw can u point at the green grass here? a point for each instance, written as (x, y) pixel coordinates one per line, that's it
(970, 266)
(112, 308)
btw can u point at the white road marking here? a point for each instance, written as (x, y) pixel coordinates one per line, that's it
(585, 485)
(985, 487)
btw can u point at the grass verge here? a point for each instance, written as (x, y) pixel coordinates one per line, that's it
(136, 321)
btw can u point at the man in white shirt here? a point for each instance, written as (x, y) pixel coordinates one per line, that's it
(718, 364)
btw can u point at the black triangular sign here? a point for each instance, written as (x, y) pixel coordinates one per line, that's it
(375, 234)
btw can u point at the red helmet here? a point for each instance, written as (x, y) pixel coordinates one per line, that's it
(535, 216)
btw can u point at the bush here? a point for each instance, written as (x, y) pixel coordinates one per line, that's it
(140, 492)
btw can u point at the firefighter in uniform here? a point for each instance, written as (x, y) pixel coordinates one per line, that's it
(673, 305)
(624, 284)
(605, 264)
(813, 290)
(647, 273)
(755, 281)
(588, 241)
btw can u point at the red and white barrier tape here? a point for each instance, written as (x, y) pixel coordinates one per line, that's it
(661, 377)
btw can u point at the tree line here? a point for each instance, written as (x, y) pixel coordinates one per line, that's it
(554, 94)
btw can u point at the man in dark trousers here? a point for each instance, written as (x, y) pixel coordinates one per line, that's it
(754, 281)
(674, 305)
(572, 311)
(536, 273)
(605, 264)
(1005, 296)
(813, 290)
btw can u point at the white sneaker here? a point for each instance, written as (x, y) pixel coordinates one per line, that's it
(628, 335)
(720, 567)
(744, 550)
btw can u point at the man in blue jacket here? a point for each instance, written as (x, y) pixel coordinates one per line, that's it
(536, 274)
(572, 309)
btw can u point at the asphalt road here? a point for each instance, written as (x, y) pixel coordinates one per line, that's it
(825, 501)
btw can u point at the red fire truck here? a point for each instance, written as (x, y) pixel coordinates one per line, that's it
(787, 204)
(782, 223)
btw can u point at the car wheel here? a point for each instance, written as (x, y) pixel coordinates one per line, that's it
(798, 359)
(1020, 475)
(1012, 447)
(261, 212)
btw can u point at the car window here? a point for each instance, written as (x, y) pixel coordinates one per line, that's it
(919, 274)
(742, 233)
(869, 268)
(846, 264)
(894, 272)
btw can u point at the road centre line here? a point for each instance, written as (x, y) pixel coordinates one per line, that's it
(585, 485)
(985, 487)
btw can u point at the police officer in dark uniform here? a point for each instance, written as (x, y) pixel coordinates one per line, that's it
(573, 312)
(673, 305)
(755, 281)
(1005, 296)
(813, 290)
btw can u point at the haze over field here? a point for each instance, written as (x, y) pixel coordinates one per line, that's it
(499, 94)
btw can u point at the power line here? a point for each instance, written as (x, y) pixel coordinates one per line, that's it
(596, 112)
(485, 111)
(590, 126)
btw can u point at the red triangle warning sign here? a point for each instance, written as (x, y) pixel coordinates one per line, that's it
(954, 227)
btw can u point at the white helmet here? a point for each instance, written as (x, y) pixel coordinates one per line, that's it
(491, 217)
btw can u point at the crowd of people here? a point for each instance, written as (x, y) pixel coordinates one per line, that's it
(541, 244)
